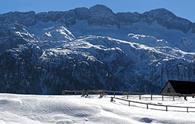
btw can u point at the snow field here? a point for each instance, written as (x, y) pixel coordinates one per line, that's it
(74, 109)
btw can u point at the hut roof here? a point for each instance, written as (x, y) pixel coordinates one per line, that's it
(183, 87)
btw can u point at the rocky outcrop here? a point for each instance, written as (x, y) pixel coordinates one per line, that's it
(167, 19)
(12, 35)
(127, 18)
(82, 13)
(25, 18)
(100, 15)
(193, 27)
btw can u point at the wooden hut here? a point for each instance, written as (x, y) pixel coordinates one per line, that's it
(180, 88)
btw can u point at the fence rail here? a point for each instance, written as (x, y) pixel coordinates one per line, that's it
(153, 104)
(123, 92)
(126, 93)
(109, 92)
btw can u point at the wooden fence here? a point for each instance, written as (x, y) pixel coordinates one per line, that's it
(114, 93)
(108, 92)
(152, 96)
(153, 104)
(128, 94)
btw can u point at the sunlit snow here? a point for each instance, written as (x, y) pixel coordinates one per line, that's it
(37, 109)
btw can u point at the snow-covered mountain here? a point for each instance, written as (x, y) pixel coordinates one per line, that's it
(94, 48)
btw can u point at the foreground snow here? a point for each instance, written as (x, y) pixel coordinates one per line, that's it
(36, 109)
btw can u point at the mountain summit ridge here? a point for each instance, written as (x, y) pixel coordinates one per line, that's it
(97, 15)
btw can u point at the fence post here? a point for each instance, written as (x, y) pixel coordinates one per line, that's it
(112, 99)
(166, 108)
(127, 95)
(114, 94)
(129, 103)
(162, 98)
(82, 94)
(147, 106)
(140, 97)
(87, 93)
(187, 109)
(151, 97)
(173, 98)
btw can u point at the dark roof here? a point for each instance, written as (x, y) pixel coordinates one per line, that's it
(183, 87)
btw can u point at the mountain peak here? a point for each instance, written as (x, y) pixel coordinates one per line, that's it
(102, 15)
(168, 19)
(159, 12)
(100, 7)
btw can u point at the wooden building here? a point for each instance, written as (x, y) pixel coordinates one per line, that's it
(181, 88)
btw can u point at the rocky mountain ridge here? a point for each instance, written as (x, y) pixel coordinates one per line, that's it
(100, 15)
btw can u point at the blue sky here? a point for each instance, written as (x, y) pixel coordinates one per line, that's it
(183, 8)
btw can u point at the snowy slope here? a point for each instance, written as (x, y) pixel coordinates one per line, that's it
(124, 64)
(34, 109)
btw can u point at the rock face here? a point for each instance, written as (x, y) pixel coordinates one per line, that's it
(82, 13)
(193, 27)
(101, 15)
(94, 48)
(26, 18)
(12, 35)
(128, 18)
(167, 19)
